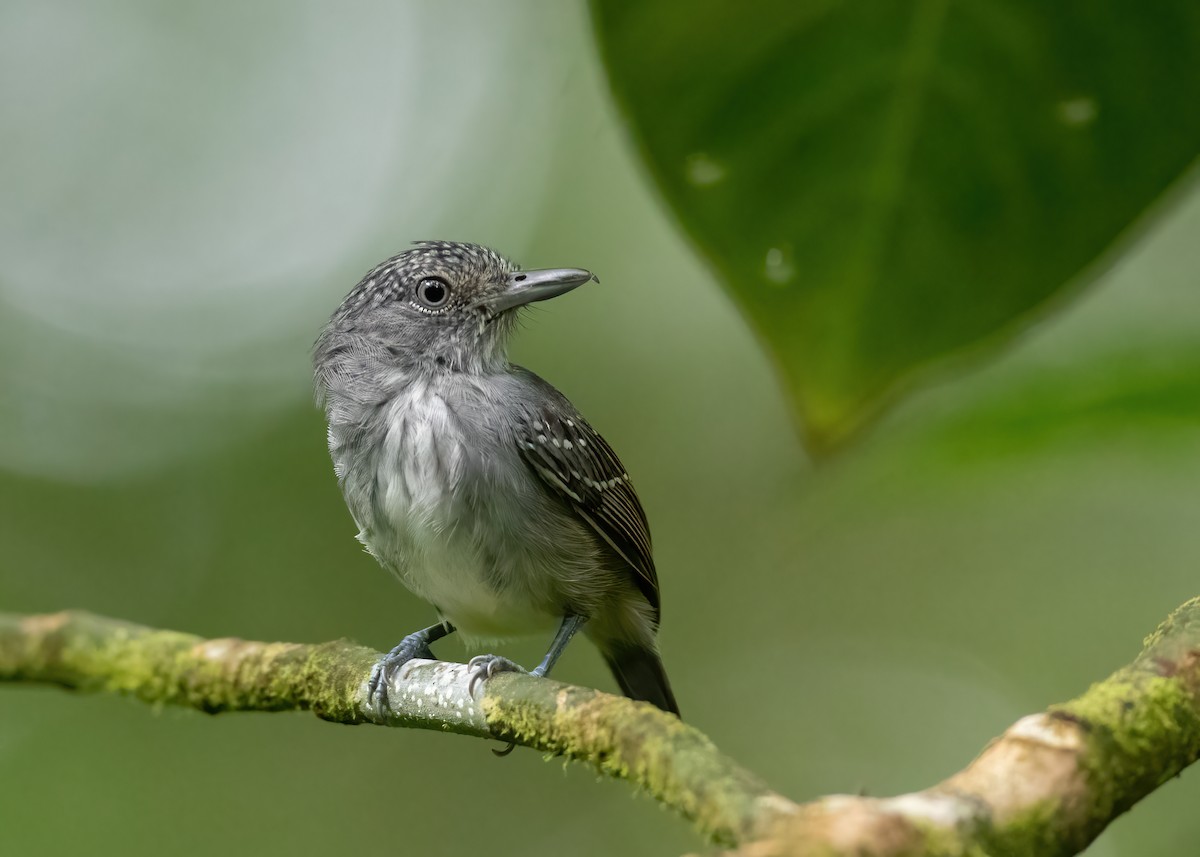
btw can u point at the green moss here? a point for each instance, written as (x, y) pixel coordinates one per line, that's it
(1037, 830)
(658, 754)
(1182, 624)
(1141, 729)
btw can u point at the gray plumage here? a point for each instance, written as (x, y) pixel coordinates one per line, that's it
(475, 481)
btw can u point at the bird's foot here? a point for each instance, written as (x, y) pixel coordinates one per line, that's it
(412, 646)
(483, 667)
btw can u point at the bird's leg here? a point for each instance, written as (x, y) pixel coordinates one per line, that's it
(570, 624)
(415, 645)
(483, 667)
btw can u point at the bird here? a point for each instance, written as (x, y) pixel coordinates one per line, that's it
(476, 482)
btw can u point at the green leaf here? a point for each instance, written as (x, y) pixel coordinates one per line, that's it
(883, 185)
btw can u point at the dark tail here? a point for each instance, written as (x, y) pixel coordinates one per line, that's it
(639, 671)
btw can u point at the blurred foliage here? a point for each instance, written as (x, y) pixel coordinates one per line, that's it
(885, 185)
(1005, 538)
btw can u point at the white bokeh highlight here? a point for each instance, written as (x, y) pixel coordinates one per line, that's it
(189, 190)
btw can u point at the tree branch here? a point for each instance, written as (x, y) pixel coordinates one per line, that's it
(1047, 786)
(675, 763)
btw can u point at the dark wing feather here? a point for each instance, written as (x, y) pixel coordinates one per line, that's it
(580, 467)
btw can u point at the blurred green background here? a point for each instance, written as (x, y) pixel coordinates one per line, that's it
(188, 191)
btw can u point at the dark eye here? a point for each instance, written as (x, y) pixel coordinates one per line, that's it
(433, 292)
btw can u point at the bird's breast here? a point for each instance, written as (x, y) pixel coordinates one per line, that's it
(428, 525)
(420, 460)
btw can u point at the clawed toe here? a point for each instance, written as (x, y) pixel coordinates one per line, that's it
(377, 685)
(483, 667)
(384, 671)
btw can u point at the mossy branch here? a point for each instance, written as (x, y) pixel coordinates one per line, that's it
(675, 763)
(1047, 786)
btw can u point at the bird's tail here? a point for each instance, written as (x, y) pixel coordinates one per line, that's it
(639, 671)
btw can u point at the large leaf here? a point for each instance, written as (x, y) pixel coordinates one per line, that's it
(885, 184)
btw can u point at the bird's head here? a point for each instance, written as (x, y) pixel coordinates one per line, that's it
(441, 305)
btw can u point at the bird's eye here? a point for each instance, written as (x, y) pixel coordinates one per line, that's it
(433, 292)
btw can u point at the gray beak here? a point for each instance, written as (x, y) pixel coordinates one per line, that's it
(525, 287)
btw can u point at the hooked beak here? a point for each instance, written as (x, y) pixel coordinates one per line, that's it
(525, 287)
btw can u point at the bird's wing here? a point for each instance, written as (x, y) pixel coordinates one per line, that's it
(580, 467)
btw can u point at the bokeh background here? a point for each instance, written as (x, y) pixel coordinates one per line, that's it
(187, 192)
